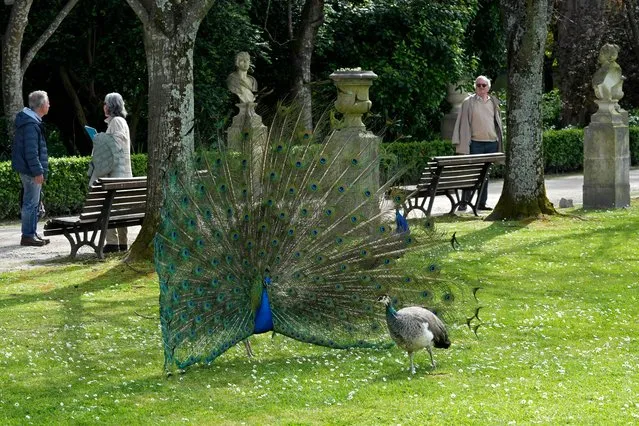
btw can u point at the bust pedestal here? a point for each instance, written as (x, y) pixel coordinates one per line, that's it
(607, 159)
(247, 127)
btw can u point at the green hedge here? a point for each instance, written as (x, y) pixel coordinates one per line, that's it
(563, 150)
(65, 189)
(411, 158)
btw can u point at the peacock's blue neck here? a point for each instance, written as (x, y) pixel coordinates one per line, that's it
(263, 315)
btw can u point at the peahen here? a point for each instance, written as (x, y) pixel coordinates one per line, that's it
(289, 235)
(414, 328)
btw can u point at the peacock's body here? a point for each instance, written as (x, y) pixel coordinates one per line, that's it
(289, 237)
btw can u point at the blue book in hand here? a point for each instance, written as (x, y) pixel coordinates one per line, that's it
(91, 131)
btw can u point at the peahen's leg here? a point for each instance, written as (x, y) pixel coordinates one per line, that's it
(249, 350)
(430, 352)
(412, 365)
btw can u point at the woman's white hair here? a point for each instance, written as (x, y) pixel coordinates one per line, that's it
(115, 105)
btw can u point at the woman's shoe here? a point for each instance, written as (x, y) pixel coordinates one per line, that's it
(111, 248)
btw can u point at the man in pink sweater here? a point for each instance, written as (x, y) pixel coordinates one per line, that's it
(478, 128)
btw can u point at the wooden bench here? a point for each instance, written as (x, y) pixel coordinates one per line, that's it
(452, 176)
(110, 203)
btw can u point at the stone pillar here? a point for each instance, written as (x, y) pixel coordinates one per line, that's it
(351, 137)
(455, 96)
(248, 134)
(606, 140)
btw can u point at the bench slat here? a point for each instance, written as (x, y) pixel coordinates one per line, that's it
(448, 160)
(449, 175)
(121, 200)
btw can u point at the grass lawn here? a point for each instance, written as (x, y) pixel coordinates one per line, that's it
(81, 344)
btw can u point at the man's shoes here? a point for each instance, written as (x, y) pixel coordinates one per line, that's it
(32, 242)
(39, 237)
(461, 207)
(123, 247)
(111, 248)
(486, 208)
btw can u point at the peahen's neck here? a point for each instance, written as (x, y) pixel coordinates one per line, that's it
(390, 311)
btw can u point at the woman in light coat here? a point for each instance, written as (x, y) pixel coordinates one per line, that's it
(112, 158)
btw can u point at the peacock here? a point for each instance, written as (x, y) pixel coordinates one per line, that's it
(414, 328)
(291, 234)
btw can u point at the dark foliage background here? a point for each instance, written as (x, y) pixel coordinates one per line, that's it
(417, 47)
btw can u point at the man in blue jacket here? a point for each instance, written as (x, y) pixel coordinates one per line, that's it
(29, 158)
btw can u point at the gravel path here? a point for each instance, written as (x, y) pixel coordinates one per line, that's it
(14, 257)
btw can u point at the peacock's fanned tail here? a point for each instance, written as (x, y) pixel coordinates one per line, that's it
(293, 216)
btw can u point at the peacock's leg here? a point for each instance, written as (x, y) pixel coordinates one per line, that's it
(430, 352)
(412, 365)
(249, 350)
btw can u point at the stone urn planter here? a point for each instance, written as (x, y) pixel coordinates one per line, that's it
(455, 95)
(352, 95)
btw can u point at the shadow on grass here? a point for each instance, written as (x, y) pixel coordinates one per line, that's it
(119, 274)
(575, 253)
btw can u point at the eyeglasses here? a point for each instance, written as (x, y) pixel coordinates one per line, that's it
(481, 85)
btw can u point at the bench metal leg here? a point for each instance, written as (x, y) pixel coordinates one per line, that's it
(415, 203)
(78, 238)
(460, 200)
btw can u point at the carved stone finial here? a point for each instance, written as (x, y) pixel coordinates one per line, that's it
(608, 79)
(239, 82)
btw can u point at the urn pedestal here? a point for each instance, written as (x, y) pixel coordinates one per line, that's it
(455, 95)
(354, 142)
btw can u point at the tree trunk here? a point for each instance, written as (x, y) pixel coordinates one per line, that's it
(302, 53)
(81, 118)
(631, 17)
(524, 193)
(170, 30)
(581, 28)
(14, 65)
(11, 57)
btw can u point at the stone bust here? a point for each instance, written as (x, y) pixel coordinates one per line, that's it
(608, 79)
(239, 82)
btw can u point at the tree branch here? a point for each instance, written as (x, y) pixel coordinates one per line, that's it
(194, 11)
(140, 10)
(46, 35)
(632, 21)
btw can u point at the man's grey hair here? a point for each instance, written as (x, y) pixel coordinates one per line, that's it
(38, 99)
(483, 77)
(115, 105)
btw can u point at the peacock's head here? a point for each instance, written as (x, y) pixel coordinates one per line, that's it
(267, 278)
(384, 300)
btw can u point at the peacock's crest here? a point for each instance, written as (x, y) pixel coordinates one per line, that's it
(292, 234)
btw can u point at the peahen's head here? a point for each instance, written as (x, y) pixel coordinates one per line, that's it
(385, 300)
